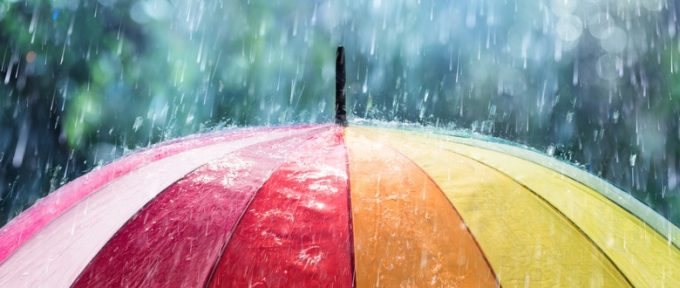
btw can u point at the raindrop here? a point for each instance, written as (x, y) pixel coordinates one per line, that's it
(633, 159)
(609, 66)
(600, 24)
(20, 149)
(569, 28)
(137, 124)
(550, 150)
(614, 40)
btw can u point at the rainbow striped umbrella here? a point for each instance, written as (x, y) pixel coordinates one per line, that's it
(338, 206)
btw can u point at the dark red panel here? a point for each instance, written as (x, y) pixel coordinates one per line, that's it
(297, 230)
(177, 238)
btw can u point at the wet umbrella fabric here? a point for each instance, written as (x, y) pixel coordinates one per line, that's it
(338, 206)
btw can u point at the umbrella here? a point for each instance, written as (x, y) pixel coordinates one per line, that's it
(338, 206)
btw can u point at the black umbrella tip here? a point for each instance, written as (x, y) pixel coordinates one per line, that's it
(340, 111)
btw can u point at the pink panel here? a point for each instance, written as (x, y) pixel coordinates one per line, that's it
(176, 239)
(25, 225)
(297, 230)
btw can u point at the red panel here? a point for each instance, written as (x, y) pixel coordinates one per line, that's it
(24, 226)
(297, 230)
(177, 238)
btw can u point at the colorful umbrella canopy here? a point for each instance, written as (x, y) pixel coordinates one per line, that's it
(328, 205)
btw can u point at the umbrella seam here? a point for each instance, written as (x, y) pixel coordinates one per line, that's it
(136, 153)
(349, 208)
(642, 219)
(111, 181)
(163, 191)
(474, 239)
(541, 198)
(634, 201)
(210, 277)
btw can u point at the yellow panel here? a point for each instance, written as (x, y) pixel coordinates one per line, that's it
(646, 258)
(406, 233)
(657, 222)
(526, 240)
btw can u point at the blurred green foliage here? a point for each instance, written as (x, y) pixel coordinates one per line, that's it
(592, 82)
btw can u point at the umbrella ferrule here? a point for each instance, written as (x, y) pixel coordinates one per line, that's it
(340, 111)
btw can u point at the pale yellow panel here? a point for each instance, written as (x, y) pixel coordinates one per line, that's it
(527, 242)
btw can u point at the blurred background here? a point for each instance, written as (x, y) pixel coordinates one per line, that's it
(593, 82)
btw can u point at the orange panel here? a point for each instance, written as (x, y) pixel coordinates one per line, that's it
(406, 233)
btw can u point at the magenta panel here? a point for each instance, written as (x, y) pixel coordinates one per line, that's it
(296, 233)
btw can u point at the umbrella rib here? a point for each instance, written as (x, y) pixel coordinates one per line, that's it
(349, 213)
(147, 204)
(238, 222)
(29, 217)
(474, 239)
(542, 199)
(629, 204)
(653, 223)
(652, 219)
